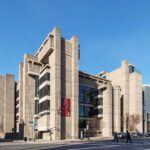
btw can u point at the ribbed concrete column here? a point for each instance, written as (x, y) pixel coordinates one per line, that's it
(125, 89)
(117, 112)
(75, 88)
(55, 102)
(107, 111)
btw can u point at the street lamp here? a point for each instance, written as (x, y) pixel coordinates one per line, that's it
(34, 123)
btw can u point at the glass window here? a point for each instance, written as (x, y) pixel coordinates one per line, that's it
(17, 102)
(100, 92)
(17, 118)
(81, 97)
(17, 110)
(46, 77)
(36, 86)
(100, 111)
(81, 111)
(45, 91)
(88, 97)
(45, 105)
(88, 111)
(96, 112)
(82, 123)
(100, 101)
(36, 107)
(17, 94)
(131, 69)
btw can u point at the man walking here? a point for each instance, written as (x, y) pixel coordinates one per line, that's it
(128, 137)
(115, 137)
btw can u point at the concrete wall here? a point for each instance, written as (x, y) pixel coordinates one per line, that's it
(2, 95)
(7, 101)
(135, 97)
(116, 108)
(107, 111)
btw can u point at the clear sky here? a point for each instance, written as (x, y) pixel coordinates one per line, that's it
(109, 31)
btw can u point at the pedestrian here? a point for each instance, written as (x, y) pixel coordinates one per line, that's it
(115, 137)
(128, 136)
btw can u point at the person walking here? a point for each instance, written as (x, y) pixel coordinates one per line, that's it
(115, 137)
(128, 137)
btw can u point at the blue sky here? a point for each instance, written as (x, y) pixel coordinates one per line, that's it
(109, 31)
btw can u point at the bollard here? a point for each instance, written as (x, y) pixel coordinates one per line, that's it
(81, 135)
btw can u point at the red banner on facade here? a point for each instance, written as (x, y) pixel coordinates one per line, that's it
(65, 107)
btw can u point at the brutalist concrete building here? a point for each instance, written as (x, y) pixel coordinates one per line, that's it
(54, 100)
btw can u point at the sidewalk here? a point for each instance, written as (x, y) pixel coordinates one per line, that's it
(68, 141)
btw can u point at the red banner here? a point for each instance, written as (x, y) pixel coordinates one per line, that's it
(65, 107)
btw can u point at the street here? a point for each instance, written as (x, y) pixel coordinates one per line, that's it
(98, 145)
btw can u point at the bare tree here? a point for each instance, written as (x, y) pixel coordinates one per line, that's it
(97, 125)
(132, 121)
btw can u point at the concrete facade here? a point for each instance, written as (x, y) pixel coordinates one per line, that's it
(7, 105)
(45, 80)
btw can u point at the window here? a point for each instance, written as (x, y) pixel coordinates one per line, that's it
(96, 112)
(131, 69)
(81, 111)
(89, 111)
(45, 91)
(81, 97)
(88, 97)
(46, 77)
(36, 107)
(85, 111)
(17, 102)
(82, 123)
(100, 92)
(100, 101)
(17, 94)
(100, 111)
(45, 105)
(17, 110)
(17, 118)
(85, 95)
(36, 86)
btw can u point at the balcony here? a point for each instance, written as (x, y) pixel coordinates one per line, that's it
(34, 67)
(46, 48)
(100, 116)
(44, 98)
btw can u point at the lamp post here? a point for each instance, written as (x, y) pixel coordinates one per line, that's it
(33, 122)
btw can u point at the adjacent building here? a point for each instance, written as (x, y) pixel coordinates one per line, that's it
(127, 96)
(146, 108)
